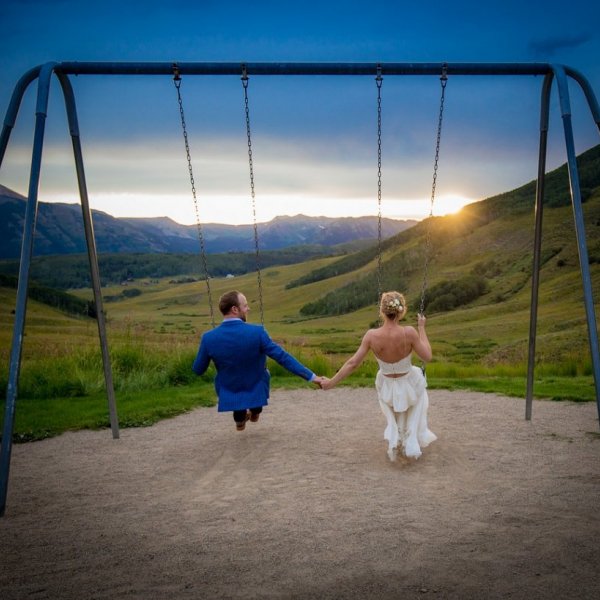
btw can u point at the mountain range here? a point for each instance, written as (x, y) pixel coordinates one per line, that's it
(59, 230)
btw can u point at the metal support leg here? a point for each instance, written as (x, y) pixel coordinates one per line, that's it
(13, 108)
(26, 253)
(588, 92)
(588, 298)
(91, 248)
(537, 243)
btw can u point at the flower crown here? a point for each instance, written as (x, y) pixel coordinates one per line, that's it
(394, 305)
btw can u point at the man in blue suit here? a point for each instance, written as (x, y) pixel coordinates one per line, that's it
(239, 351)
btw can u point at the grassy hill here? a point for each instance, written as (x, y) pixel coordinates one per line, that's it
(486, 239)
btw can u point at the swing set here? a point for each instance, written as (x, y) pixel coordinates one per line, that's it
(43, 74)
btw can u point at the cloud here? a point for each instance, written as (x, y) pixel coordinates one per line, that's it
(549, 46)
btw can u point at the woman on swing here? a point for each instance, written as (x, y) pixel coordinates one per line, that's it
(401, 387)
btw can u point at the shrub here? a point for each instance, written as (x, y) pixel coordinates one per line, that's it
(448, 295)
(131, 292)
(179, 371)
(62, 300)
(355, 295)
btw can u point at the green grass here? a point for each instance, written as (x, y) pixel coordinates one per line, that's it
(135, 367)
(36, 419)
(575, 389)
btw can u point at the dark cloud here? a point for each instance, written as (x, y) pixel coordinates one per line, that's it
(551, 45)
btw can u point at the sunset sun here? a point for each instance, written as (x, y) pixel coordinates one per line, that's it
(450, 204)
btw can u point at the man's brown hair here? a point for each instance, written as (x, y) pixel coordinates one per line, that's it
(228, 300)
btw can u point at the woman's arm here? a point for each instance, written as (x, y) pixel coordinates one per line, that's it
(351, 364)
(420, 342)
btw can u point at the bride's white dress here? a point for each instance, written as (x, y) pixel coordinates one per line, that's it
(404, 402)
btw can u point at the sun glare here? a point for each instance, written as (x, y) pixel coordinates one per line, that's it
(450, 204)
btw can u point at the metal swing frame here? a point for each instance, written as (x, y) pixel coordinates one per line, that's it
(43, 74)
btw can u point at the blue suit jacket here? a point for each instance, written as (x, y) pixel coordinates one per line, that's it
(239, 351)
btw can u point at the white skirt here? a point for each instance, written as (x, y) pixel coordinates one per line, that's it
(404, 402)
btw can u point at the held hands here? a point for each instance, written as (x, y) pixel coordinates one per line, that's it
(421, 320)
(326, 384)
(322, 382)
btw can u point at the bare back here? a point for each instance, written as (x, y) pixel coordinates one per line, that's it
(391, 342)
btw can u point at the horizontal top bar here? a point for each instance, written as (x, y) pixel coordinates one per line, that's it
(261, 68)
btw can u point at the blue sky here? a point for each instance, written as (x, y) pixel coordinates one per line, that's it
(314, 138)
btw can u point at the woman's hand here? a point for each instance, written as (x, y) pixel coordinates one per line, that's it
(326, 383)
(421, 344)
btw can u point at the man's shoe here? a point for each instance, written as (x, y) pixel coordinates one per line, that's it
(254, 417)
(240, 426)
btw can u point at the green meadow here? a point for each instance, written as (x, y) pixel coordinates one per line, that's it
(319, 309)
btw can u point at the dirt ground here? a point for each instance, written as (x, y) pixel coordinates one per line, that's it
(305, 504)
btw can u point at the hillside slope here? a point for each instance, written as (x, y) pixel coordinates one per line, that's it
(491, 239)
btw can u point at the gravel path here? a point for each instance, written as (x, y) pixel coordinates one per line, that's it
(305, 504)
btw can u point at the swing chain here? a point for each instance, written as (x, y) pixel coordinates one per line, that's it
(177, 82)
(379, 82)
(443, 82)
(252, 192)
